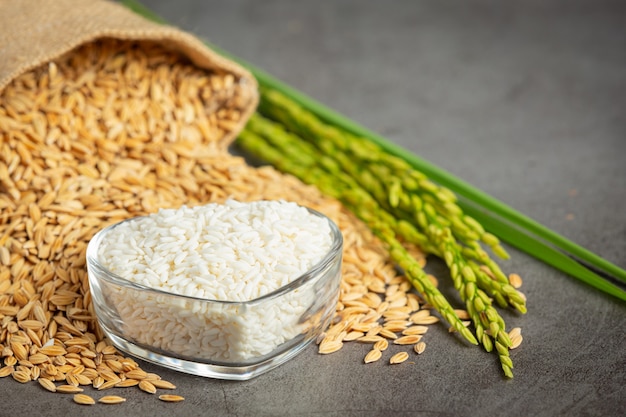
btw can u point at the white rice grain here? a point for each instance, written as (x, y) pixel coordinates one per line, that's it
(230, 252)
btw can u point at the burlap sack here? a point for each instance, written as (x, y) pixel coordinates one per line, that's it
(33, 32)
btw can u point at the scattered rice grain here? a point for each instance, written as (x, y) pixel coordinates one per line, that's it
(21, 376)
(373, 355)
(398, 358)
(68, 389)
(171, 398)
(83, 399)
(162, 384)
(381, 345)
(47, 384)
(407, 340)
(147, 386)
(127, 383)
(6, 371)
(353, 335)
(516, 341)
(111, 399)
(330, 346)
(419, 347)
(370, 339)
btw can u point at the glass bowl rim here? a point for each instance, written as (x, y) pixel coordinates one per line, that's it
(102, 273)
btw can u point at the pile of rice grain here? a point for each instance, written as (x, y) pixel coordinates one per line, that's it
(228, 252)
(82, 148)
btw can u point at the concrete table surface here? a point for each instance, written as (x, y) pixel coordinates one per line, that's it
(525, 100)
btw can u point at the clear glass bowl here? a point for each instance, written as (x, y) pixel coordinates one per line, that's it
(213, 338)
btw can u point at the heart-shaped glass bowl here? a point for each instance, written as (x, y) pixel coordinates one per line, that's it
(216, 338)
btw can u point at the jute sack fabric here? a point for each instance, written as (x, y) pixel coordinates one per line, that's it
(34, 32)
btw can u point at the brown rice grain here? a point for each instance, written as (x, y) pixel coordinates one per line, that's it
(162, 384)
(108, 375)
(381, 345)
(353, 335)
(396, 325)
(373, 355)
(171, 398)
(515, 280)
(83, 399)
(111, 399)
(413, 302)
(370, 339)
(516, 341)
(419, 347)
(136, 374)
(109, 350)
(108, 384)
(394, 314)
(419, 315)
(71, 380)
(115, 365)
(364, 327)
(398, 358)
(127, 383)
(35, 373)
(515, 332)
(19, 351)
(399, 302)
(407, 340)
(6, 371)
(47, 384)
(21, 376)
(374, 331)
(330, 346)
(83, 379)
(11, 361)
(384, 332)
(147, 386)
(462, 314)
(68, 389)
(382, 307)
(97, 382)
(427, 320)
(38, 358)
(415, 329)
(87, 362)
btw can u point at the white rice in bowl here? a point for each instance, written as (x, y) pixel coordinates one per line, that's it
(228, 252)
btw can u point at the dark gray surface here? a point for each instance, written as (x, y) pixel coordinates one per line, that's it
(525, 100)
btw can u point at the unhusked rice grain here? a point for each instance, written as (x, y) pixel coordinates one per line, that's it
(84, 399)
(114, 130)
(398, 358)
(171, 398)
